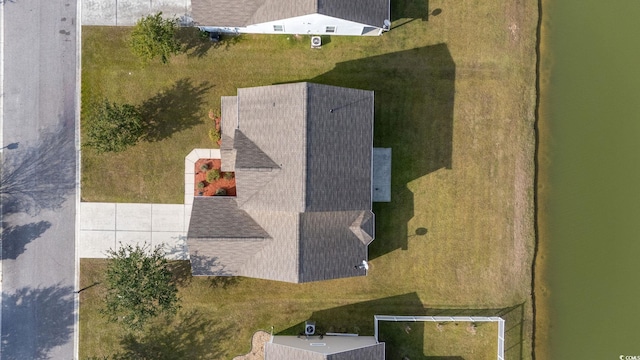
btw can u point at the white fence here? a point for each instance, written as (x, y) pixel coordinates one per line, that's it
(499, 320)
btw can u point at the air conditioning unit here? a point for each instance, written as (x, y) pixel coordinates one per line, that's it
(316, 42)
(309, 327)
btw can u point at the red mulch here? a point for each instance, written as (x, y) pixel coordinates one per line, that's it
(210, 188)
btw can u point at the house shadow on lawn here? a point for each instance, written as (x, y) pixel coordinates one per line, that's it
(409, 339)
(358, 317)
(409, 9)
(414, 98)
(174, 109)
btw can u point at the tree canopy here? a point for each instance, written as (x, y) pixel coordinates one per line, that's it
(113, 127)
(139, 285)
(155, 36)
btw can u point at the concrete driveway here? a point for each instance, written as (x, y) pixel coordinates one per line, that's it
(104, 226)
(127, 12)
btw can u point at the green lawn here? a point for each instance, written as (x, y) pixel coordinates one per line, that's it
(455, 100)
(453, 339)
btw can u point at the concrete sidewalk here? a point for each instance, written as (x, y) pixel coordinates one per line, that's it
(127, 12)
(190, 169)
(105, 226)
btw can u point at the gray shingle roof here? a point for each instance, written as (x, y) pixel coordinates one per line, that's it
(369, 12)
(274, 118)
(363, 227)
(281, 352)
(326, 239)
(229, 122)
(222, 237)
(220, 217)
(241, 13)
(338, 149)
(250, 156)
(302, 156)
(334, 348)
(375, 352)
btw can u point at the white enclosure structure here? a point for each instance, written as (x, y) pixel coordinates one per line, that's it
(499, 320)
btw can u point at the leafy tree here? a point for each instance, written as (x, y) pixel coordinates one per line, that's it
(154, 36)
(140, 286)
(113, 127)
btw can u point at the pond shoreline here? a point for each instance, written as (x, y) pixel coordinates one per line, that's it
(540, 285)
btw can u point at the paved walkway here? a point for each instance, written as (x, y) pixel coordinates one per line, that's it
(381, 174)
(105, 226)
(189, 170)
(127, 12)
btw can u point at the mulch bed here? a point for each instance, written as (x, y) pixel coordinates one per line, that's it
(210, 188)
(257, 346)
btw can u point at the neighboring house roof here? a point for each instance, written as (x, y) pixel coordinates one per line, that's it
(241, 13)
(302, 159)
(328, 348)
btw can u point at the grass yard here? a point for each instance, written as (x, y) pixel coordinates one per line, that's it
(455, 100)
(457, 340)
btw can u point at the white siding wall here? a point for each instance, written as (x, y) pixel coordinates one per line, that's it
(314, 24)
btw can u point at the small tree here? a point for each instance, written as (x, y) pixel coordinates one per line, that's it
(139, 286)
(154, 36)
(113, 127)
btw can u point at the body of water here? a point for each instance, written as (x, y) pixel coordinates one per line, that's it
(593, 217)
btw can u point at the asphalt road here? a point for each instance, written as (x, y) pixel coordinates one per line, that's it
(38, 179)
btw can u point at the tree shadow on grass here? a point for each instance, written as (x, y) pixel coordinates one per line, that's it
(223, 281)
(191, 336)
(27, 339)
(181, 272)
(15, 238)
(39, 176)
(414, 98)
(197, 43)
(182, 276)
(174, 109)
